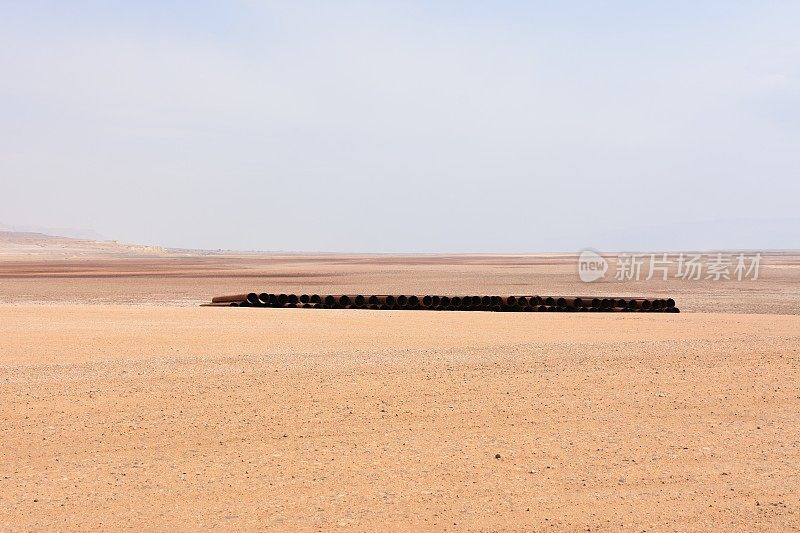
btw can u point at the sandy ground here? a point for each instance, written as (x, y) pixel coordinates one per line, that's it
(191, 280)
(123, 407)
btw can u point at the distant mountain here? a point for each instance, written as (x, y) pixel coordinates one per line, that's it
(26, 244)
(59, 232)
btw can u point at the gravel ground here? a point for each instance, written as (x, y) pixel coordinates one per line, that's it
(163, 417)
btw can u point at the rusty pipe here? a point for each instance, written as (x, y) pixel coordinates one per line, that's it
(250, 297)
(381, 299)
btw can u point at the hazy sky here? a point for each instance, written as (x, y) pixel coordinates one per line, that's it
(404, 126)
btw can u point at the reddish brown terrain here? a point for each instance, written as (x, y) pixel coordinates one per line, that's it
(124, 405)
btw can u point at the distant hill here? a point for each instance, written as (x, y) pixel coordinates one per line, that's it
(72, 233)
(24, 244)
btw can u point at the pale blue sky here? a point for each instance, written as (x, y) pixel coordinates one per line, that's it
(404, 126)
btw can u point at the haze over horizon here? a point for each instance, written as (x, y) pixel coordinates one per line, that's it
(355, 127)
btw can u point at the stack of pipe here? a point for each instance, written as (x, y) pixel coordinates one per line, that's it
(436, 302)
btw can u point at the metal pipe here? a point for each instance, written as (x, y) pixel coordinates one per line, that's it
(579, 302)
(510, 303)
(249, 297)
(377, 299)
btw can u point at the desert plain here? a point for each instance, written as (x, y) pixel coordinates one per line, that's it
(125, 405)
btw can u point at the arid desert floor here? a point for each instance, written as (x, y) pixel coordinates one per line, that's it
(124, 405)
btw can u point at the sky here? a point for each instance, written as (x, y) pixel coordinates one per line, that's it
(408, 126)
